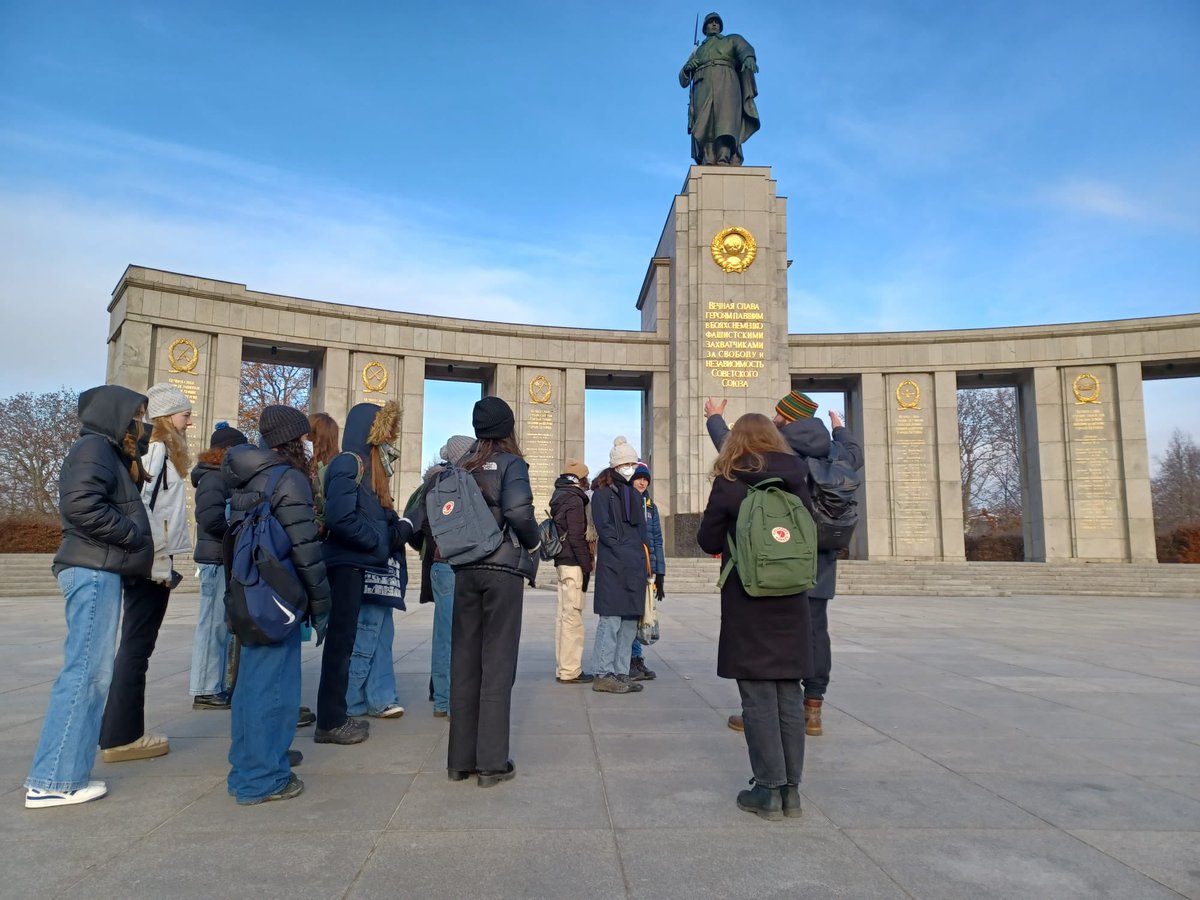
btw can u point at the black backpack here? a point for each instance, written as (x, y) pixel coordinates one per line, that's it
(265, 600)
(551, 540)
(833, 483)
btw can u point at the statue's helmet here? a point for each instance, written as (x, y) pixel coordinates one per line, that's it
(710, 17)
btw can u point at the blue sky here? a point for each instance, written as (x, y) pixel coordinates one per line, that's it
(947, 165)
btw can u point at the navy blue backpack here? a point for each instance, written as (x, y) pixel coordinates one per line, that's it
(265, 600)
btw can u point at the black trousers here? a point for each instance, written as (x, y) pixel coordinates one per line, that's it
(484, 638)
(145, 605)
(346, 586)
(815, 687)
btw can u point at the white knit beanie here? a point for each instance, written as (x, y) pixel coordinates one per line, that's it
(166, 400)
(621, 453)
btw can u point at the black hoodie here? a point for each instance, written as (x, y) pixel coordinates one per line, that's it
(104, 521)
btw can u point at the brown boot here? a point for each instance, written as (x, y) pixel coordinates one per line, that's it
(812, 717)
(735, 722)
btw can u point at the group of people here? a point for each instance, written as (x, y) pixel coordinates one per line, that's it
(124, 512)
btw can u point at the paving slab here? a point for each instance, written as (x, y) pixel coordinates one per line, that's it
(1014, 747)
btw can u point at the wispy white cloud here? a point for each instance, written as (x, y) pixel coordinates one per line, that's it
(1102, 199)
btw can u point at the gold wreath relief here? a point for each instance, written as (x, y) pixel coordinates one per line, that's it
(183, 355)
(908, 394)
(540, 389)
(734, 249)
(1086, 388)
(374, 377)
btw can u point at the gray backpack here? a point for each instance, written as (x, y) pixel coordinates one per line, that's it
(459, 518)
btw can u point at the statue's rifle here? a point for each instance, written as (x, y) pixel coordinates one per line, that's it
(696, 32)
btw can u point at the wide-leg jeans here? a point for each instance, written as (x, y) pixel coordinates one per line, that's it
(371, 685)
(211, 643)
(614, 645)
(263, 718)
(442, 580)
(66, 750)
(773, 715)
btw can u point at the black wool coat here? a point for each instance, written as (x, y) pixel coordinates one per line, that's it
(621, 552)
(767, 638)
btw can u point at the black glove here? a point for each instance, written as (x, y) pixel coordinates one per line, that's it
(587, 577)
(658, 587)
(320, 625)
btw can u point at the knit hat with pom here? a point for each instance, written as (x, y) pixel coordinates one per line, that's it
(621, 453)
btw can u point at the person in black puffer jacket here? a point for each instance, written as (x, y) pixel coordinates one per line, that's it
(267, 694)
(360, 534)
(106, 537)
(211, 642)
(568, 506)
(488, 597)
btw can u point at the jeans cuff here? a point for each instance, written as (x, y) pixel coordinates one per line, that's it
(56, 786)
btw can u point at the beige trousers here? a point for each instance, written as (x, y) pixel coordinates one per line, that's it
(568, 623)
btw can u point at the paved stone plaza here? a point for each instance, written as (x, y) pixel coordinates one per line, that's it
(1017, 747)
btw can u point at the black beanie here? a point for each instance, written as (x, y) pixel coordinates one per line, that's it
(225, 435)
(280, 424)
(492, 418)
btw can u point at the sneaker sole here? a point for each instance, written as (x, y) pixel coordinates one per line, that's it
(116, 756)
(272, 797)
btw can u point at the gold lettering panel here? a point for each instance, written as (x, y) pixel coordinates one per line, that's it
(734, 342)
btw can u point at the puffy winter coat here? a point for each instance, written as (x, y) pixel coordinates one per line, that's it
(248, 469)
(212, 492)
(104, 522)
(503, 480)
(568, 508)
(761, 637)
(621, 553)
(654, 538)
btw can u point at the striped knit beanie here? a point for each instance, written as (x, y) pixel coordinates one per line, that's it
(796, 405)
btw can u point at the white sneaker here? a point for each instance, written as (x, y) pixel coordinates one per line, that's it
(35, 798)
(391, 711)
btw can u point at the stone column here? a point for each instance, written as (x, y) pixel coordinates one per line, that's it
(1135, 462)
(129, 355)
(503, 384)
(225, 379)
(331, 386)
(184, 359)
(656, 450)
(574, 410)
(913, 461)
(412, 423)
(540, 410)
(949, 466)
(872, 432)
(1048, 477)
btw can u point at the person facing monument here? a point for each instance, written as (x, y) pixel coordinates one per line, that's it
(721, 110)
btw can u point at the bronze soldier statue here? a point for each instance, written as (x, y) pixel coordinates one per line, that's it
(721, 111)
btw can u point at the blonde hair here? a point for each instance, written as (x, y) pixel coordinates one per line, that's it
(168, 435)
(753, 436)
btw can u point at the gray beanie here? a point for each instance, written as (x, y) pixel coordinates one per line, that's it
(166, 400)
(621, 453)
(456, 448)
(280, 424)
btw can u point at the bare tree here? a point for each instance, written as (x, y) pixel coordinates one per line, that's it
(1176, 487)
(266, 384)
(36, 431)
(989, 450)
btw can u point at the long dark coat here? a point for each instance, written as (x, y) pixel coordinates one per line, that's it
(621, 553)
(768, 638)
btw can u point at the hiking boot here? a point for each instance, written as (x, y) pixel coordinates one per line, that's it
(493, 778)
(305, 717)
(812, 717)
(36, 798)
(293, 788)
(211, 701)
(441, 713)
(736, 723)
(790, 795)
(766, 803)
(352, 731)
(638, 670)
(147, 746)
(611, 684)
(295, 757)
(630, 683)
(581, 678)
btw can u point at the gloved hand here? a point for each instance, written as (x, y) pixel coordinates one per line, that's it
(320, 625)
(160, 570)
(658, 587)
(587, 577)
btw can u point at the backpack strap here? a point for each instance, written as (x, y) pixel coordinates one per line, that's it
(358, 461)
(728, 567)
(277, 473)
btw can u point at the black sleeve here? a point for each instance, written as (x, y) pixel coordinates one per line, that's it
(717, 430)
(86, 488)
(570, 518)
(293, 507)
(211, 494)
(850, 446)
(716, 521)
(516, 503)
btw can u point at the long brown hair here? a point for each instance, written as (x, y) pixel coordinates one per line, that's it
(129, 445)
(486, 448)
(292, 453)
(169, 436)
(325, 434)
(753, 436)
(380, 482)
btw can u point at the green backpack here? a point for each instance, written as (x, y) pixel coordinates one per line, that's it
(775, 553)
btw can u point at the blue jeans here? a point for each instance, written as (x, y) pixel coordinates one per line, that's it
(71, 730)
(442, 578)
(773, 717)
(263, 718)
(614, 645)
(637, 646)
(372, 683)
(211, 642)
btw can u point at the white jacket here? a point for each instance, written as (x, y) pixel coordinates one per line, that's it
(169, 525)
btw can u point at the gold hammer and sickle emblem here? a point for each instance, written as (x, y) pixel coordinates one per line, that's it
(182, 355)
(540, 389)
(734, 249)
(1086, 388)
(908, 394)
(374, 377)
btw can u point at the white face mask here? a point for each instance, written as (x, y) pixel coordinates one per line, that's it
(308, 449)
(626, 472)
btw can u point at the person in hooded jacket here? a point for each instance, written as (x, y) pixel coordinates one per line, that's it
(488, 597)
(638, 670)
(123, 734)
(619, 513)
(211, 642)
(808, 438)
(267, 694)
(361, 533)
(765, 642)
(371, 682)
(105, 538)
(568, 508)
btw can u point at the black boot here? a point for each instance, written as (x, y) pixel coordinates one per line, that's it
(790, 794)
(764, 802)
